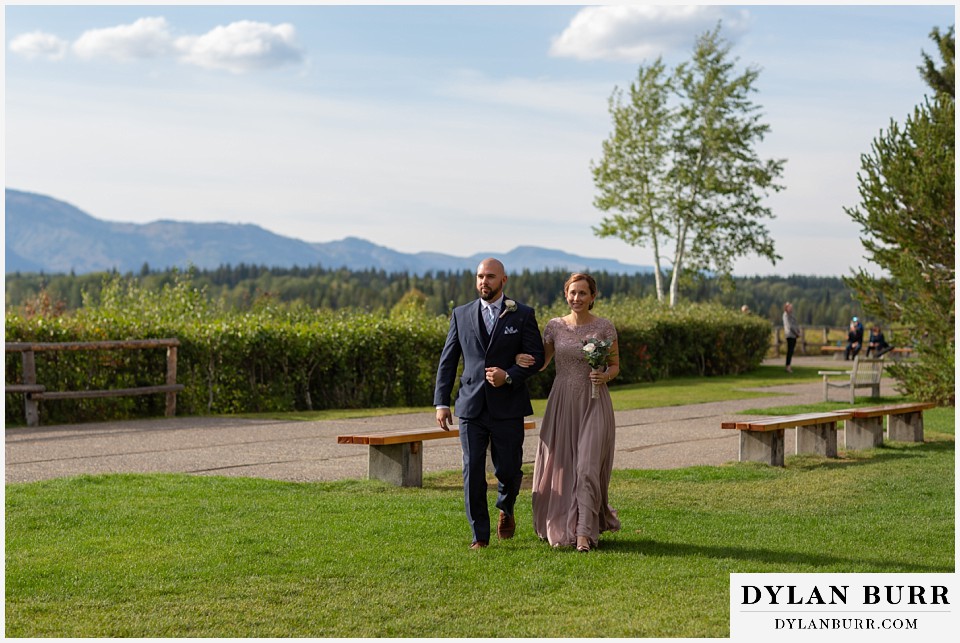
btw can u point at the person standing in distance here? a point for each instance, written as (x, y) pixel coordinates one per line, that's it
(791, 331)
(492, 400)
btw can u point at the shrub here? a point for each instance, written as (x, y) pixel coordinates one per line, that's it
(292, 358)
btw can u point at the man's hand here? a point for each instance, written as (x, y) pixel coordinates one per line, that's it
(444, 418)
(496, 376)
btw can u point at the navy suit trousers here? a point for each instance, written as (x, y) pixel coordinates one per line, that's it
(505, 438)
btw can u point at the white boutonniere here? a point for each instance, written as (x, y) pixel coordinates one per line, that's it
(509, 306)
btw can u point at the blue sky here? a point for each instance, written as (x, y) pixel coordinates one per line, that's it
(456, 129)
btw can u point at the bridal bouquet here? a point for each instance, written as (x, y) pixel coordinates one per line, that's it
(596, 351)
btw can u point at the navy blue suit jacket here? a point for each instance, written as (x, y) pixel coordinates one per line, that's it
(515, 332)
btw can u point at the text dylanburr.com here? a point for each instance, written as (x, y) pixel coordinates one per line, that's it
(844, 607)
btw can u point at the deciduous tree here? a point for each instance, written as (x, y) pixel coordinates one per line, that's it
(681, 168)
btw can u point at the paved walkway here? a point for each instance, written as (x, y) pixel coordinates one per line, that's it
(660, 438)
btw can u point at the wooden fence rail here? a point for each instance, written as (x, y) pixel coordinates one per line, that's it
(33, 392)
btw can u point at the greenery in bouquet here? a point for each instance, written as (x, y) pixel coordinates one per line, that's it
(596, 351)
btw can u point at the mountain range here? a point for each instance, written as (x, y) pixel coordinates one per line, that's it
(43, 234)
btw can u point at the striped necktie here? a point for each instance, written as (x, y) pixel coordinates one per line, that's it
(490, 318)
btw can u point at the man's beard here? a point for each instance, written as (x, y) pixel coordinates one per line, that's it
(492, 295)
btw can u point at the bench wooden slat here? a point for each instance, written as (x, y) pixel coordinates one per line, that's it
(397, 436)
(402, 436)
(117, 392)
(891, 409)
(732, 424)
(869, 412)
(790, 421)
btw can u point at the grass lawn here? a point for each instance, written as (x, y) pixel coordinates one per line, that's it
(189, 556)
(179, 556)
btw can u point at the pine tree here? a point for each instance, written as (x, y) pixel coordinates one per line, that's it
(907, 215)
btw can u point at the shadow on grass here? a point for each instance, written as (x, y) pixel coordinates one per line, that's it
(647, 547)
(885, 453)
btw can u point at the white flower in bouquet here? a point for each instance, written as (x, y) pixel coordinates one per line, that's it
(596, 352)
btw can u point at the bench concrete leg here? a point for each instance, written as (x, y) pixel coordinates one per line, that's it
(820, 439)
(398, 464)
(762, 446)
(906, 427)
(864, 433)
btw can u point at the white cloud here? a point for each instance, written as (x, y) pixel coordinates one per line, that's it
(38, 44)
(242, 46)
(633, 33)
(145, 38)
(238, 47)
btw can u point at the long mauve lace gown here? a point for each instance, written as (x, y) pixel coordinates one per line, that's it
(571, 473)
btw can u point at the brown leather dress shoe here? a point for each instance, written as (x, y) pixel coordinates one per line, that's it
(506, 526)
(479, 544)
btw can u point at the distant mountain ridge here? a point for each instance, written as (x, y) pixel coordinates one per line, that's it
(43, 234)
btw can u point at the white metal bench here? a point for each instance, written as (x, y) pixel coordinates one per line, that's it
(865, 374)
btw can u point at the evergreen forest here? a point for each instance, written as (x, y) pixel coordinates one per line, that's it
(818, 301)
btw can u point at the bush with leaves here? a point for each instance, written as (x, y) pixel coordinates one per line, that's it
(286, 358)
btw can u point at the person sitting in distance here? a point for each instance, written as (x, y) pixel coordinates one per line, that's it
(877, 344)
(854, 341)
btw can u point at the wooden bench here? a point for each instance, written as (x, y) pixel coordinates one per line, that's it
(836, 351)
(899, 353)
(34, 392)
(396, 456)
(864, 430)
(865, 373)
(762, 439)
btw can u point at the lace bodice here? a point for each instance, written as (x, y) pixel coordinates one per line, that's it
(568, 342)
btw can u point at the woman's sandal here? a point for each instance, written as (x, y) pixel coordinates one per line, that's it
(583, 543)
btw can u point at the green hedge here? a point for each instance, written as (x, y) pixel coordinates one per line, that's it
(282, 359)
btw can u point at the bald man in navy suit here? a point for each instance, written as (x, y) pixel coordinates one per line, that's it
(492, 401)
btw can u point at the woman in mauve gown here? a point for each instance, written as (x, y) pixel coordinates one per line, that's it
(571, 473)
